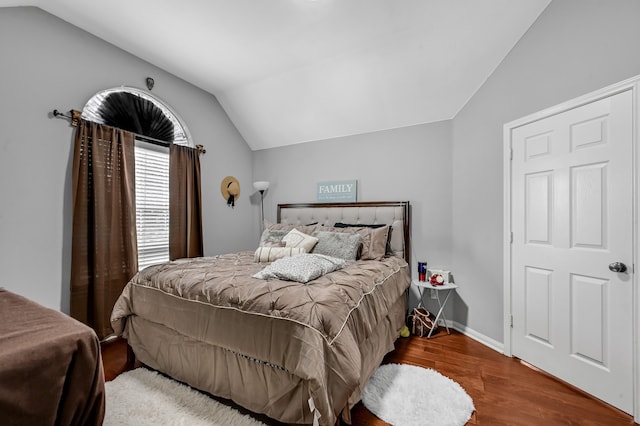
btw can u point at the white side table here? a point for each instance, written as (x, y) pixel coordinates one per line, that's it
(448, 288)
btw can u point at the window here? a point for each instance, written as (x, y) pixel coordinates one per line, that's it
(152, 203)
(155, 126)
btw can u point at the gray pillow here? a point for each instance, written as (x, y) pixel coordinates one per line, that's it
(271, 236)
(301, 268)
(338, 244)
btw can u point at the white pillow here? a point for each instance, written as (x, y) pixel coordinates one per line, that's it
(296, 238)
(269, 254)
(302, 268)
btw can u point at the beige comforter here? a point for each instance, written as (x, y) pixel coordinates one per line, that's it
(319, 334)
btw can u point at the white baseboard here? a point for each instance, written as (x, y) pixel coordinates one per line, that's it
(479, 337)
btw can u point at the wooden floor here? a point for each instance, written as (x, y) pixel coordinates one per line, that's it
(504, 390)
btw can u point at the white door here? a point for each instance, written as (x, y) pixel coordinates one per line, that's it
(572, 217)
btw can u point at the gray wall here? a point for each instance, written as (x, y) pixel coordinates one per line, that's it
(407, 164)
(450, 171)
(575, 47)
(46, 64)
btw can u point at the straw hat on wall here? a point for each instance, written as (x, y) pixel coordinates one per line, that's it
(230, 189)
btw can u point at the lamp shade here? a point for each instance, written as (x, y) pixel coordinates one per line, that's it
(261, 185)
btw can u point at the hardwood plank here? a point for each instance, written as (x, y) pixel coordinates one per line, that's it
(114, 358)
(505, 391)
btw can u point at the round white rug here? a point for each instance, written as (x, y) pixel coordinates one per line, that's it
(142, 397)
(406, 395)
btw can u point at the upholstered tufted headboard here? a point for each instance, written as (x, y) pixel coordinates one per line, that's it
(394, 213)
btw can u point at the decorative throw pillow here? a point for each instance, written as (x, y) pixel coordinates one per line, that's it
(301, 268)
(305, 229)
(269, 254)
(272, 236)
(338, 244)
(375, 238)
(377, 243)
(273, 242)
(358, 225)
(296, 238)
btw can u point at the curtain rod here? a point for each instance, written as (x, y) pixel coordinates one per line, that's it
(76, 115)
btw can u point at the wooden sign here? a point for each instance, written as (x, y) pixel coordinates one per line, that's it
(342, 191)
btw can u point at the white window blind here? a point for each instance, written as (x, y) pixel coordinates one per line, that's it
(152, 203)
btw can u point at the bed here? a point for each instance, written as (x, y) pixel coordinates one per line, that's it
(50, 366)
(300, 353)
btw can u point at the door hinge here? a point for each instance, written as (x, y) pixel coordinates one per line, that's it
(511, 237)
(510, 153)
(511, 321)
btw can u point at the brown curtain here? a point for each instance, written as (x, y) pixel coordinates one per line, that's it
(185, 205)
(104, 251)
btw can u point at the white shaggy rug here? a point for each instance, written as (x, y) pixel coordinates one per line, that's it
(142, 397)
(406, 395)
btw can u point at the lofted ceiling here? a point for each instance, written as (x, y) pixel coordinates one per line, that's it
(293, 71)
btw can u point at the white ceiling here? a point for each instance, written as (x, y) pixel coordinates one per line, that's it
(292, 71)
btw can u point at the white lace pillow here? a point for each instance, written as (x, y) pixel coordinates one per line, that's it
(269, 254)
(301, 268)
(296, 238)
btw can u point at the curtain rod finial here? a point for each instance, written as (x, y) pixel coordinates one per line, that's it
(75, 117)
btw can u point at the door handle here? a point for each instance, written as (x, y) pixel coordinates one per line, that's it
(617, 267)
